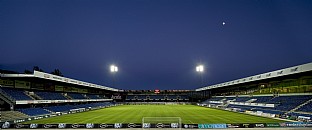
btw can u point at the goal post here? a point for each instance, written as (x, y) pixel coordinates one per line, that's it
(161, 122)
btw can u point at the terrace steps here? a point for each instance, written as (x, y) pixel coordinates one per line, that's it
(33, 95)
(67, 96)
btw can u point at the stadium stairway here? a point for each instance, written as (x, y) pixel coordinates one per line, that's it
(301, 105)
(7, 98)
(86, 97)
(33, 95)
(47, 110)
(92, 96)
(26, 93)
(66, 96)
(251, 100)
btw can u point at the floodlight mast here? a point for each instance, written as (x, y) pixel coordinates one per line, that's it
(200, 70)
(113, 70)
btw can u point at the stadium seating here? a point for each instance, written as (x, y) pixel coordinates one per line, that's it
(102, 97)
(214, 99)
(262, 99)
(287, 103)
(300, 114)
(256, 108)
(141, 97)
(283, 103)
(306, 108)
(217, 99)
(270, 111)
(230, 98)
(20, 95)
(130, 97)
(214, 103)
(156, 97)
(83, 106)
(16, 94)
(76, 95)
(61, 108)
(92, 105)
(33, 111)
(50, 95)
(242, 99)
(171, 97)
(182, 97)
(92, 96)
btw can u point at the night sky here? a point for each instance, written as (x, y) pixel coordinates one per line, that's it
(155, 43)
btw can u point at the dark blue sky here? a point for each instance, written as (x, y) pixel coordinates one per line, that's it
(155, 43)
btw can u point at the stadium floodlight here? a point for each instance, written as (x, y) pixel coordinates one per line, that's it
(200, 68)
(113, 68)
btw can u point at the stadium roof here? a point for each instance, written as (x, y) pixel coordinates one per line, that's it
(48, 76)
(277, 73)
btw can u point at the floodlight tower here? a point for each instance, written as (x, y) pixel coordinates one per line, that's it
(200, 70)
(113, 70)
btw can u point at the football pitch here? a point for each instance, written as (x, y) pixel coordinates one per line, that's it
(189, 114)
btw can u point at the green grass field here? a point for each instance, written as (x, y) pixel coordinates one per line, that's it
(134, 114)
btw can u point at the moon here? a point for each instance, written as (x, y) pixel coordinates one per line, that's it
(223, 23)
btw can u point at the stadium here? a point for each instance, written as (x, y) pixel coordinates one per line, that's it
(277, 99)
(156, 64)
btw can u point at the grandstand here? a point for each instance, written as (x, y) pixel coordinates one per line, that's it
(285, 93)
(27, 96)
(281, 104)
(279, 96)
(158, 97)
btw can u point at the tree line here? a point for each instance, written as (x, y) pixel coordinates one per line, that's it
(54, 72)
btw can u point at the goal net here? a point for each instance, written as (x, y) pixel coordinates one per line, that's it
(162, 122)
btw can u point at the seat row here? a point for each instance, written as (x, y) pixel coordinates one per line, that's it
(60, 108)
(281, 103)
(157, 97)
(18, 94)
